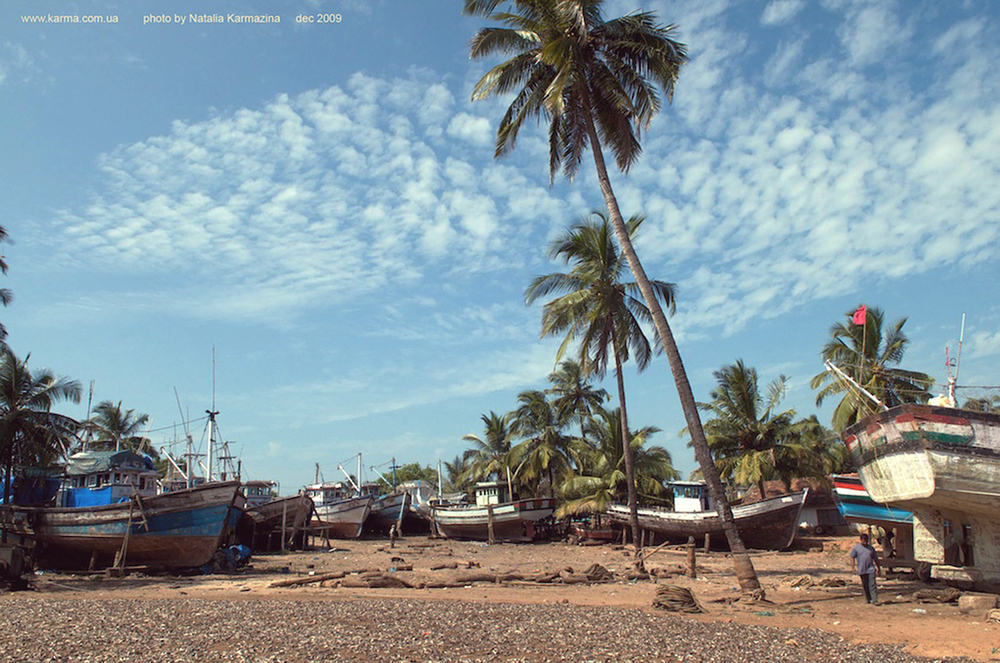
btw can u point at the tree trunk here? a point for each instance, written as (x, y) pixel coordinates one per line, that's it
(745, 573)
(633, 494)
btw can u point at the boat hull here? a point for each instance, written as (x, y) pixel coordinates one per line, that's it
(512, 521)
(766, 525)
(291, 515)
(181, 529)
(343, 519)
(942, 464)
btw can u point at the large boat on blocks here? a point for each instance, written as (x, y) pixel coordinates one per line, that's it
(769, 524)
(943, 464)
(176, 530)
(494, 516)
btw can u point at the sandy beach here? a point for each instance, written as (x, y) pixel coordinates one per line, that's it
(441, 600)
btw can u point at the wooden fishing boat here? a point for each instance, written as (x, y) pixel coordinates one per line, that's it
(339, 510)
(509, 520)
(769, 524)
(943, 464)
(281, 523)
(180, 529)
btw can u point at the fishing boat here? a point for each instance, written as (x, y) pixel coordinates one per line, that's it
(340, 510)
(407, 508)
(494, 516)
(281, 522)
(769, 524)
(176, 530)
(943, 464)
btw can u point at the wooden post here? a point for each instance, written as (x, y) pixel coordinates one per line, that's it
(489, 524)
(284, 523)
(708, 542)
(692, 567)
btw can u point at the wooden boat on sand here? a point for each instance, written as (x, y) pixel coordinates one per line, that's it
(943, 464)
(493, 516)
(176, 530)
(281, 523)
(766, 525)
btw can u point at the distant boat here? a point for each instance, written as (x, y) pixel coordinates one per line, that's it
(176, 530)
(943, 464)
(509, 520)
(769, 524)
(340, 510)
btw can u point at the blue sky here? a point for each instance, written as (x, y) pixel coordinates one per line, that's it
(320, 203)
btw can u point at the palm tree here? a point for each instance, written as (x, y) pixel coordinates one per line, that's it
(602, 311)
(545, 451)
(573, 395)
(30, 433)
(602, 479)
(868, 354)
(458, 471)
(115, 427)
(984, 404)
(749, 439)
(6, 296)
(596, 79)
(489, 457)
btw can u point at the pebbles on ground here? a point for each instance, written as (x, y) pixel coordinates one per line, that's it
(395, 631)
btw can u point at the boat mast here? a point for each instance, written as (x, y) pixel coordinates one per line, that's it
(211, 425)
(831, 367)
(953, 379)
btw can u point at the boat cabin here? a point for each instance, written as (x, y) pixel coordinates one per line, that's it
(95, 478)
(491, 492)
(330, 492)
(691, 496)
(259, 492)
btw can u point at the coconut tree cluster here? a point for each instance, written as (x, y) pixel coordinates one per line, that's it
(566, 442)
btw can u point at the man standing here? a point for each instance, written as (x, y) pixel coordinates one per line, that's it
(864, 562)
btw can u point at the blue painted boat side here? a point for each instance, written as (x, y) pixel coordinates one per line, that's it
(204, 521)
(873, 511)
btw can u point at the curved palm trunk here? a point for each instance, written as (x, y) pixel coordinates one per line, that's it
(633, 494)
(745, 572)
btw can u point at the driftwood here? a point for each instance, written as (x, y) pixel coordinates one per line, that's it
(307, 580)
(946, 595)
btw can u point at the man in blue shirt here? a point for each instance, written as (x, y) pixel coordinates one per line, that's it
(864, 562)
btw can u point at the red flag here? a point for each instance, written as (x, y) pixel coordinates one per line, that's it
(859, 316)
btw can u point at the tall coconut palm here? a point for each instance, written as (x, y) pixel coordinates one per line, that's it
(870, 354)
(489, 457)
(6, 296)
(115, 427)
(545, 452)
(596, 80)
(573, 395)
(748, 437)
(30, 433)
(601, 311)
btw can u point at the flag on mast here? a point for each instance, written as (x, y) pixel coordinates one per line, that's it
(860, 315)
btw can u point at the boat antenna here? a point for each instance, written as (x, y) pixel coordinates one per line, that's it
(190, 455)
(89, 426)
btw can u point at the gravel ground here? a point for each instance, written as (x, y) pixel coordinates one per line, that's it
(158, 630)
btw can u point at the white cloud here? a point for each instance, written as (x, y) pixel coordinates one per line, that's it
(476, 130)
(781, 11)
